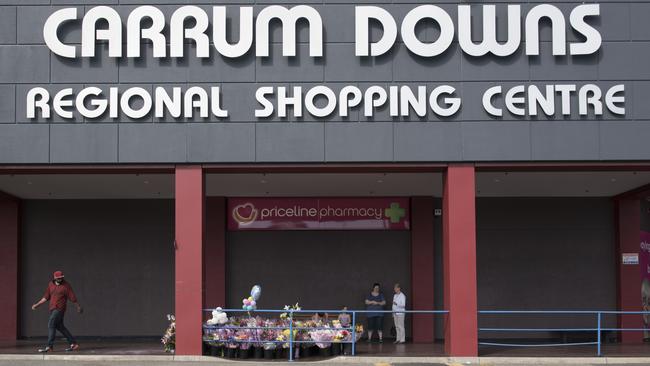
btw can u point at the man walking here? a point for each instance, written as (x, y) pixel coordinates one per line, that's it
(399, 304)
(58, 292)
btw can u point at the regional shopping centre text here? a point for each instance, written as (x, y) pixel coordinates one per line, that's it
(191, 23)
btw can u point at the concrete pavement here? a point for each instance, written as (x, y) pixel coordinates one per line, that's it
(104, 360)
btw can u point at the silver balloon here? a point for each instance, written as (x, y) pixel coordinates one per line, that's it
(256, 292)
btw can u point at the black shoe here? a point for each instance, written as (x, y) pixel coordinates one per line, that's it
(46, 349)
(381, 340)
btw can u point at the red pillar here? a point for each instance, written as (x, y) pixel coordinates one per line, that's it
(215, 253)
(629, 276)
(9, 248)
(189, 187)
(459, 258)
(422, 267)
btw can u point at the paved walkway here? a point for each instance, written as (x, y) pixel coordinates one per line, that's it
(106, 360)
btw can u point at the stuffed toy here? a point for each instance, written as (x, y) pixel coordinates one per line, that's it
(218, 317)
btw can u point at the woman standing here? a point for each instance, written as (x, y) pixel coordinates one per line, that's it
(375, 301)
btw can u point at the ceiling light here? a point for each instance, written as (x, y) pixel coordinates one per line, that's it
(29, 182)
(380, 181)
(146, 182)
(613, 179)
(497, 180)
(263, 181)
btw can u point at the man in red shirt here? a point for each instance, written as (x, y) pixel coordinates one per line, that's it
(58, 292)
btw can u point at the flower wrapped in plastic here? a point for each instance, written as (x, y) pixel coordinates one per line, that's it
(359, 332)
(322, 337)
(243, 338)
(342, 335)
(169, 338)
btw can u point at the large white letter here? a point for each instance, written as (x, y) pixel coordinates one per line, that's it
(446, 30)
(289, 19)
(362, 15)
(611, 99)
(489, 43)
(593, 39)
(134, 32)
(487, 101)
(260, 95)
(178, 33)
(245, 31)
(90, 33)
(50, 32)
(99, 104)
(33, 103)
(557, 25)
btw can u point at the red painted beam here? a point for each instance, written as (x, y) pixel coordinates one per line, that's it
(9, 267)
(559, 167)
(459, 258)
(422, 259)
(215, 253)
(189, 224)
(628, 224)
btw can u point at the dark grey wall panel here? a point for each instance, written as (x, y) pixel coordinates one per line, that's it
(645, 215)
(24, 144)
(543, 254)
(358, 141)
(7, 25)
(117, 254)
(571, 140)
(90, 143)
(282, 142)
(209, 142)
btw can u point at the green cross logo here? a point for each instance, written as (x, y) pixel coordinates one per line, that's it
(394, 213)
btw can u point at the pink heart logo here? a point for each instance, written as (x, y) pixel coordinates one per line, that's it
(244, 214)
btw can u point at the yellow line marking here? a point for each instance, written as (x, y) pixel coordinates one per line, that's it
(382, 364)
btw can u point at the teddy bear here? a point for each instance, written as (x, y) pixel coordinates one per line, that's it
(218, 317)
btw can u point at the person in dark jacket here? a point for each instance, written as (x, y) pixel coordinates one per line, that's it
(58, 293)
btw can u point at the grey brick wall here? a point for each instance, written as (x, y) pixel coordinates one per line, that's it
(470, 135)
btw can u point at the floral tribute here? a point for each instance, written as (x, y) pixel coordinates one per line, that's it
(250, 330)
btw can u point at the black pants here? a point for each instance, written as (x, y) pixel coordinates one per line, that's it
(56, 323)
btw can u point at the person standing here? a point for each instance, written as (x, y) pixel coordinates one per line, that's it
(399, 304)
(375, 301)
(58, 293)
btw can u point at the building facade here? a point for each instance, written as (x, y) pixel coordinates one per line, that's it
(127, 127)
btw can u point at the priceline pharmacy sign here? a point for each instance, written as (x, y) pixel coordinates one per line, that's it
(192, 23)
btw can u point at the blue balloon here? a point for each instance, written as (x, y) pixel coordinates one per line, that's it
(256, 292)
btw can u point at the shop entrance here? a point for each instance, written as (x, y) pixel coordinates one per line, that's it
(318, 269)
(329, 267)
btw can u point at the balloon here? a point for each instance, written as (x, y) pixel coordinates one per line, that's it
(244, 301)
(253, 303)
(243, 307)
(247, 302)
(256, 292)
(250, 298)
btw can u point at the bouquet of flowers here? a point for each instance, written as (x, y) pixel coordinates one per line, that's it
(359, 331)
(295, 307)
(322, 337)
(242, 336)
(169, 338)
(342, 335)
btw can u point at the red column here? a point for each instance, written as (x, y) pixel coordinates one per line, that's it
(189, 259)
(459, 259)
(629, 276)
(9, 247)
(422, 267)
(215, 253)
